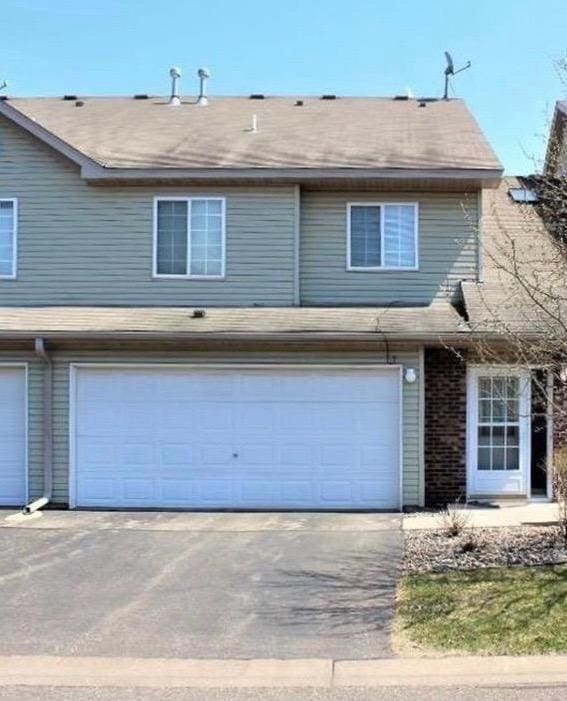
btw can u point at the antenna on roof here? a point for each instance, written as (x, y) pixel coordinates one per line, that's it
(450, 70)
(204, 74)
(3, 85)
(175, 74)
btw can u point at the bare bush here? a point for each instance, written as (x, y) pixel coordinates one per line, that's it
(454, 519)
(560, 487)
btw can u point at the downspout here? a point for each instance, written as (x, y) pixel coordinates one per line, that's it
(45, 498)
(296, 247)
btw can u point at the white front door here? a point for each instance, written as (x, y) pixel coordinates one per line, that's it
(498, 431)
(271, 437)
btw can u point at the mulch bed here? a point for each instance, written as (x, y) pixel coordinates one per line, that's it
(473, 548)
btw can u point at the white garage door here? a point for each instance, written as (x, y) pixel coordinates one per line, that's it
(237, 438)
(12, 436)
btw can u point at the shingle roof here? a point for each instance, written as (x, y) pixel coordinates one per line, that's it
(524, 271)
(438, 318)
(353, 133)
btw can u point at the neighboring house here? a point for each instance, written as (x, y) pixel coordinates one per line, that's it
(556, 155)
(249, 305)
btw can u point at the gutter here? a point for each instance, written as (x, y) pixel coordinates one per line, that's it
(245, 336)
(47, 426)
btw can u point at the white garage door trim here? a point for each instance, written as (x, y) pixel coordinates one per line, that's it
(25, 368)
(75, 367)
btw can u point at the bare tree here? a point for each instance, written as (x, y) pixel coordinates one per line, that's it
(517, 313)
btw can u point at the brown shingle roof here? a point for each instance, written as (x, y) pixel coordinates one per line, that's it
(524, 273)
(438, 318)
(343, 133)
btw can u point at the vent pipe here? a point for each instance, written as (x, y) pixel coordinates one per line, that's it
(204, 74)
(175, 74)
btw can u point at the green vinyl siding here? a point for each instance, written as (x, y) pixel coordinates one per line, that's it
(447, 249)
(412, 473)
(92, 245)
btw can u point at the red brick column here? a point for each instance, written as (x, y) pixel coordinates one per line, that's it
(445, 427)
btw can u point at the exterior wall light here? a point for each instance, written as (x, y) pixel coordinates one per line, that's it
(410, 376)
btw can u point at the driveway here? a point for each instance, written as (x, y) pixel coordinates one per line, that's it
(198, 585)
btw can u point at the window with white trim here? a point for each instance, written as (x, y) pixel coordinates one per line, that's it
(190, 237)
(8, 223)
(382, 236)
(498, 444)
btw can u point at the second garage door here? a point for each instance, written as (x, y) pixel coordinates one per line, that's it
(249, 438)
(12, 436)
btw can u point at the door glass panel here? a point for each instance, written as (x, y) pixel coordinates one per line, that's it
(484, 388)
(484, 435)
(512, 410)
(484, 458)
(498, 435)
(512, 459)
(485, 408)
(498, 459)
(498, 428)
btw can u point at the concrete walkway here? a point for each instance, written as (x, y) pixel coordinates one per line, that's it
(496, 515)
(113, 672)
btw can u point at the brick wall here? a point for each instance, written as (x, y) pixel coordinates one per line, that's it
(445, 427)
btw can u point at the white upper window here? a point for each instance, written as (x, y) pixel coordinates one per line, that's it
(8, 235)
(189, 237)
(382, 236)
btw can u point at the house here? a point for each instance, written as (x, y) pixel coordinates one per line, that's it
(252, 304)
(556, 155)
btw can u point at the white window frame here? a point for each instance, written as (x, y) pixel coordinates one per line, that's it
(14, 272)
(188, 275)
(381, 268)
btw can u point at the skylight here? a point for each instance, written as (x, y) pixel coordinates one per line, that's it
(523, 195)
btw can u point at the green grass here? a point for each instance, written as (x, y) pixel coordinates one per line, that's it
(514, 611)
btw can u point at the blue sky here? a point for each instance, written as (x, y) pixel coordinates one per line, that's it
(349, 47)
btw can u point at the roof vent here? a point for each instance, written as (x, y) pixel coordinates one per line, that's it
(299, 103)
(69, 98)
(79, 103)
(198, 314)
(204, 74)
(253, 128)
(257, 96)
(174, 74)
(328, 97)
(141, 96)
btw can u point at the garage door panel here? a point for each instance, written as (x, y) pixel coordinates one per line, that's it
(94, 491)
(137, 454)
(179, 455)
(238, 438)
(12, 436)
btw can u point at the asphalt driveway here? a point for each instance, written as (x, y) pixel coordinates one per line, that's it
(198, 585)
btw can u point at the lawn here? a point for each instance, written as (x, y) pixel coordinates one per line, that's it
(516, 610)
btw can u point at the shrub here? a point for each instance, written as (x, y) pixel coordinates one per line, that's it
(560, 487)
(469, 546)
(454, 519)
